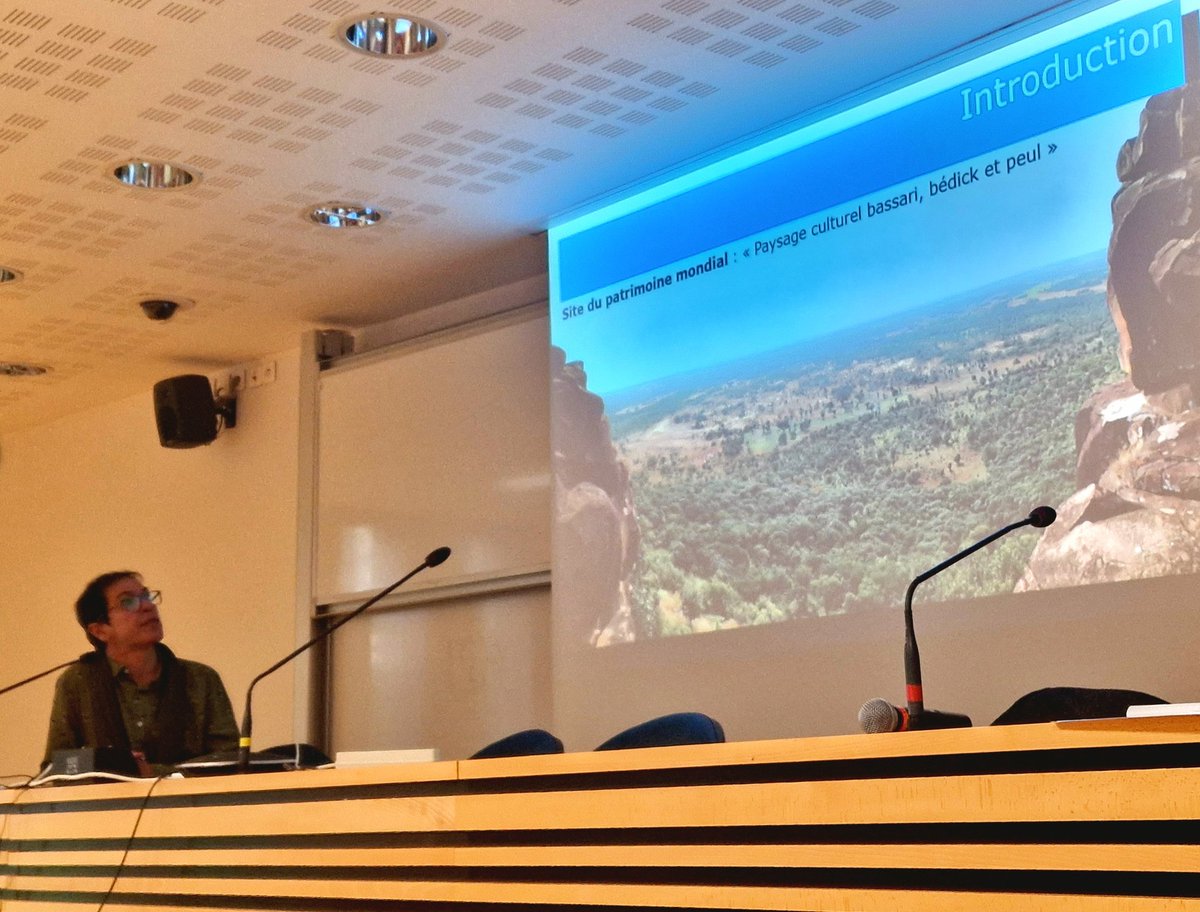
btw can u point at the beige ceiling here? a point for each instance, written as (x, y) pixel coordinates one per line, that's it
(530, 109)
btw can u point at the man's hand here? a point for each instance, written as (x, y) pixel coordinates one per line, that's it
(143, 767)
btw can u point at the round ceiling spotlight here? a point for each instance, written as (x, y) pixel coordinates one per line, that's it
(13, 369)
(152, 175)
(345, 215)
(381, 35)
(8, 275)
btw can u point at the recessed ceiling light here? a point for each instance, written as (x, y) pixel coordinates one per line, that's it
(13, 369)
(8, 275)
(345, 215)
(152, 175)
(382, 35)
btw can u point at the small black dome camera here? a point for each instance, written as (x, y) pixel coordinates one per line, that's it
(159, 308)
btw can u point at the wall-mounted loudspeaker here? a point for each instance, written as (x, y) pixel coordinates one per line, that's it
(185, 411)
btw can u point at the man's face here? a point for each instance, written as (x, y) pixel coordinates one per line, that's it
(125, 628)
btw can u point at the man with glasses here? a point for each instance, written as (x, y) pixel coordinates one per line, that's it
(131, 692)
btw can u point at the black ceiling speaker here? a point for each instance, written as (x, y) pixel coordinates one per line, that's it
(187, 413)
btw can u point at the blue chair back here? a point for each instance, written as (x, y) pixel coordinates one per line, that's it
(520, 744)
(665, 731)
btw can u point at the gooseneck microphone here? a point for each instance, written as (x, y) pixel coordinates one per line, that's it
(435, 557)
(1039, 518)
(40, 674)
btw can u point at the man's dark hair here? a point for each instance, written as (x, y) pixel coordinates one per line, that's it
(92, 606)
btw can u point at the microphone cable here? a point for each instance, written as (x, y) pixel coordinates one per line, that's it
(42, 778)
(129, 842)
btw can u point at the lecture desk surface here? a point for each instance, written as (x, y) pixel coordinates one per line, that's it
(1096, 815)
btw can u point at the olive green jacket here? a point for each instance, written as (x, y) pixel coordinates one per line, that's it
(183, 714)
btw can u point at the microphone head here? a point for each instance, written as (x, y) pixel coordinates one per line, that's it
(439, 555)
(1040, 517)
(877, 716)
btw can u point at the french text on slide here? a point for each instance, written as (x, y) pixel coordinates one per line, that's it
(944, 183)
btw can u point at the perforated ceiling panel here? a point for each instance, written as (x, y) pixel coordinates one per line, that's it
(525, 110)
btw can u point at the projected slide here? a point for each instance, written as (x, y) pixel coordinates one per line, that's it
(792, 380)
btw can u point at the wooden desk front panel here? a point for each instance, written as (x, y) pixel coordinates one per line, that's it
(1094, 816)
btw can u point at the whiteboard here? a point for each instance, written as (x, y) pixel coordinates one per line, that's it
(440, 442)
(451, 675)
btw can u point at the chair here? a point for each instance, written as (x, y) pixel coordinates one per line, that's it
(521, 744)
(676, 728)
(1051, 704)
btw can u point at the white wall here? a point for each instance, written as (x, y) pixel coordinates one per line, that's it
(213, 527)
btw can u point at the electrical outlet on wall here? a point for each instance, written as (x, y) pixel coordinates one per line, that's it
(260, 374)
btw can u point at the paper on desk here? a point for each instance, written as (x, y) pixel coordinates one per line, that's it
(1163, 709)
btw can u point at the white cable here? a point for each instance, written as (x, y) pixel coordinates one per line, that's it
(43, 779)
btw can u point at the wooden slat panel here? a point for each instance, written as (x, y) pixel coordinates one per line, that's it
(134, 789)
(100, 825)
(363, 816)
(861, 901)
(113, 905)
(989, 856)
(1118, 795)
(994, 856)
(754, 874)
(81, 883)
(55, 857)
(335, 864)
(256, 783)
(642, 895)
(13, 905)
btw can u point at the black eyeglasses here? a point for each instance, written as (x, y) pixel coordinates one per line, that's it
(133, 601)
